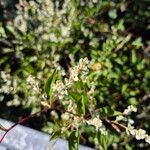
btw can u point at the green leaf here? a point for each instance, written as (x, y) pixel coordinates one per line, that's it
(48, 86)
(128, 147)
(84, 103)
(103, 141)
(106, 140)
(113, 14)
(133, 57)
(56, 134)
(3, 60)
(81, 98)
(84, 97)
(133, 101)
(74, 140)
(137, 43)
(108, 112)
(74, 96)
(121, 25)
(81, 106)
(124, 88)
(77, 98)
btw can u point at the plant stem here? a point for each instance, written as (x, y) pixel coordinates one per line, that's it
(29, 117)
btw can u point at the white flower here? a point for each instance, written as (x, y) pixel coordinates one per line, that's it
(140, 134)
(95, 122)
(65, 116)
(54, 114)
(129, 110)
(74, 76)
(45, 104)
(95, 1)
(131, 121)
(33, 84)
(7, 87)
(60, 88)
(98, 125)
(119, 118)
(19, 21)
(132, 108)
(81, 67)
(147, 139)
(131, 130)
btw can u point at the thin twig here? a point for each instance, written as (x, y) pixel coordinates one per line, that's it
(114, 123)
(117, 123)
(31, 116)
(121, 125)
(21, 122)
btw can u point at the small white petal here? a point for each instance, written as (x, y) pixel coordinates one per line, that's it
(147, 139)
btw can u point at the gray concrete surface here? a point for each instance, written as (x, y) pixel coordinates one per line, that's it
(23, 138)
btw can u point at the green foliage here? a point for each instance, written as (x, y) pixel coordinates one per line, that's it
(80, 97)
(108, 112)
(74, 140)
(103, 141)
(56, 134)
(49, 84)
(40, 36)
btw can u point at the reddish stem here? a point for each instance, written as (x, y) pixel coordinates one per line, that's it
(31, 116)
(21, 122)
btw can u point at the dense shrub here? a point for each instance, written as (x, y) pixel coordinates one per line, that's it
(39, 36)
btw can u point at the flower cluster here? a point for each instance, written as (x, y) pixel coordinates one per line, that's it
(60, 88)
(41, 12)
(34, 84)
(129, 110)
(126, 112)
(82, 67)
(139, 134)
(7, 79)
(97, 123)
(36, 95)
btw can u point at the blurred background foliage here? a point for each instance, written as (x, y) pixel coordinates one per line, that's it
(38, 36)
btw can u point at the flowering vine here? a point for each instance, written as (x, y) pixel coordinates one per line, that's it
(74, 99)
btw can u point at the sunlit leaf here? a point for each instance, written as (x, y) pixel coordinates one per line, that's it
(48, 86)
(55, 135)
(74, 140)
